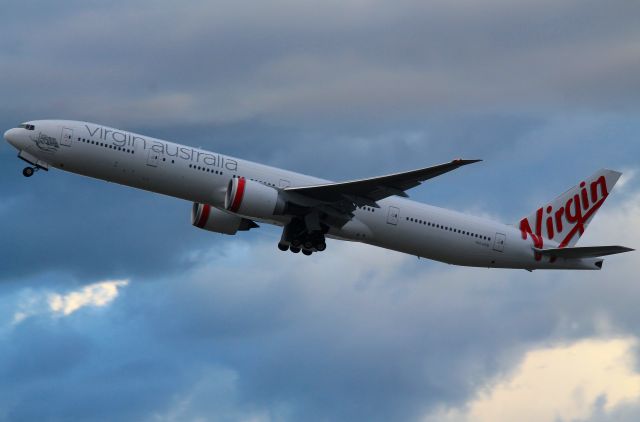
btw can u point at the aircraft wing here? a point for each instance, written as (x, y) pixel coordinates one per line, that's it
(368, 191)
(583, 252)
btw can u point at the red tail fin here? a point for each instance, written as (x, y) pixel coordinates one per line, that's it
(566, 218)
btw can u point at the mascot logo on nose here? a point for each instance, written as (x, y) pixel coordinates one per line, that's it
(45, 143)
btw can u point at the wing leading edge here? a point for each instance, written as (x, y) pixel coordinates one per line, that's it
(368, 191)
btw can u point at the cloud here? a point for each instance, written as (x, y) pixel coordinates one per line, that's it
(398, 338)
(97, 295)
(628, 175)
(562, 382)
(328, 61)
(378, 334)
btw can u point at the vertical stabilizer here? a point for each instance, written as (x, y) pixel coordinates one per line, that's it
(565, 219)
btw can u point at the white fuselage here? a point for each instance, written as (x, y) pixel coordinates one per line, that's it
(201, 176)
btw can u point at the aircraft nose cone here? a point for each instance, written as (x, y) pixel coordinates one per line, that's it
(11, 136)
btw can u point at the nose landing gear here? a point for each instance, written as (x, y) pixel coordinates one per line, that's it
(28, 171)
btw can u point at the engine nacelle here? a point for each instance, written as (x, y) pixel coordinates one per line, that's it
(206, 217)
(253, 199)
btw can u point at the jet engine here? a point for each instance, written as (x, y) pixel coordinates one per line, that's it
(209, 218)
(253, 199)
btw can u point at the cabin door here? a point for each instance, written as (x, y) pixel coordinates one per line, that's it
(67, 136)
(392, 217)
(498, 243)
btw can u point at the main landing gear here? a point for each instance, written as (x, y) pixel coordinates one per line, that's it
(28, 171)
(297, 238)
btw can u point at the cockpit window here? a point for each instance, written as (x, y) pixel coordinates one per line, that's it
(26, 126)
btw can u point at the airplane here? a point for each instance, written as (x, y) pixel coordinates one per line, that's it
(231, 195)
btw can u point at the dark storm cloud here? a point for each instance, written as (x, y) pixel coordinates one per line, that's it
(164, 63)
(378, 335)
(351, 337)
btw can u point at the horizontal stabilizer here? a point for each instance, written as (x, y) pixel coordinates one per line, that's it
(583, 252)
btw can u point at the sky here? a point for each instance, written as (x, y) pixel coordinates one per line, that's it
(113, 307)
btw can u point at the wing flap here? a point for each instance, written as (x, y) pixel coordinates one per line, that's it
(583, 252)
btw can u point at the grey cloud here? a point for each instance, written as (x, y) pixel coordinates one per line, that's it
(377, 334)
(628, 412)
(281, 61)
(378, 340)
(380, 345)
(64, 348)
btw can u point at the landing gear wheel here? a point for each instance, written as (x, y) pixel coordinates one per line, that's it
(321, 246)
(294, 250)
(28, 171)
(308, 244)
(283, 246)
(307, 252)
